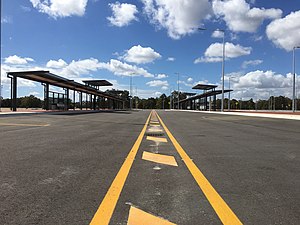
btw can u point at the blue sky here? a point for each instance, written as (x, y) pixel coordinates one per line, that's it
(152, 40)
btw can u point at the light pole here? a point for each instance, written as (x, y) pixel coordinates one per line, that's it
(223, 64)
(294, 80)
(178, 90)
(130, 91)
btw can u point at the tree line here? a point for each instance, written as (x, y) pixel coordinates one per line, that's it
(163, 102)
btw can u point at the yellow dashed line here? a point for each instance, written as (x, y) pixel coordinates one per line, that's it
(108, 204)
(159, 158)
(139, 217)
(223, 211)
(157, 139)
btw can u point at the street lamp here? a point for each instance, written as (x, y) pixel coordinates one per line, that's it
(178, 89)
(223, 65)
(294, 80)
(130, 94)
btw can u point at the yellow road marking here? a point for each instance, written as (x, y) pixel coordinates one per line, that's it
(108, 204)
(139, 217)
(156, 139)
(159, 158)
(154, 125)
(154, 129)
(223, 211)
(24, 125)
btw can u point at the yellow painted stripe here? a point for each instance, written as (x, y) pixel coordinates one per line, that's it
(223, 211)
(156, 139)
(154, 125)
(154, 129)
(108, 204)
(24, 125)
(159, 158)
(139, 217)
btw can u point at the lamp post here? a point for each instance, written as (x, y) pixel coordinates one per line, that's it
(223, 64)
(294, 80)
(178, 89)
(130, 96)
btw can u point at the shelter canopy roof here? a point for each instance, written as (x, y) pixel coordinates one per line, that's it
(97, 83)
(205, 86)
(52, 79)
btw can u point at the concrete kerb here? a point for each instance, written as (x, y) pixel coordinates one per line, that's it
(252, 114)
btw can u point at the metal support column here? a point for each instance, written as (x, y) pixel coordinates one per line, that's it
(67, 99)
(74, 99)
(215, 103)
(14, 93)
(94, 102)
(46, 96)
(80, 99)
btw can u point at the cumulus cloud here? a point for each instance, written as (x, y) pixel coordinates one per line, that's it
(122, 14)
(240, 17)
(171, 59)
(163, 84)
(140, 55)
(190, 80)
(17, 60)
(80, 67)
(285, 32)
(59, 8)
(123, 69)
(217, 34)
(161, 76)
(87, 66)
(56, 64)
(259, 84)
(157, 83)
(178, 17)
(252, 63)
(214, 52)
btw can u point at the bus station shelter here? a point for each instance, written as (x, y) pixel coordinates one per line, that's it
(202, 101)
(94, 98)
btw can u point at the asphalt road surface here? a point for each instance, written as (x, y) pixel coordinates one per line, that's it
(133, 168)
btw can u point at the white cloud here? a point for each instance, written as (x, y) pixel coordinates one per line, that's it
(138, 54)
(171, 59)
(217, 34)
(25, 8)
(80, 67)
(178, 17)
(87, 66)
(17, 60)
(260, 84)
(157, 83)
(35, 93)
(119, 68)
(157, 93)
(252, 63)
(285, 32)
(56, 64)
(161, 76)
(263, 79)
(214, 52)
(190, 80)
(6, 19)
(240, 17)
(59, 8)
(123, 14)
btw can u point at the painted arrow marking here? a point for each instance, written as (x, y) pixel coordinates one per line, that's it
(139, 217)
(159, 158)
